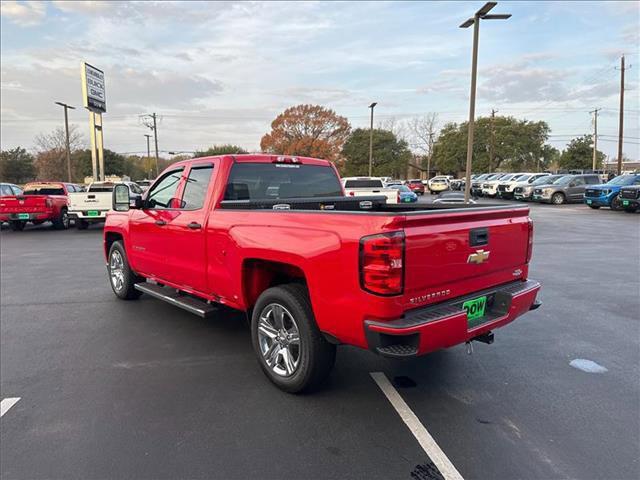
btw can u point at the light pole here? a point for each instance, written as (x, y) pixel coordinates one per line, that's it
(149, 153)
(66, 129)
(372, 106)
(475, 21)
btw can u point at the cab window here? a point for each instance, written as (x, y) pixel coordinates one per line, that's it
(195, 189)
(163, 193)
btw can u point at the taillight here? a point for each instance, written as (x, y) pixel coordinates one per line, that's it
(382, 263)
(48, 202)
(530, 242)
(398, 196)
(352, 194)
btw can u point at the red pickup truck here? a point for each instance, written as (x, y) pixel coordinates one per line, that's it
(273, 236)
(38, 203)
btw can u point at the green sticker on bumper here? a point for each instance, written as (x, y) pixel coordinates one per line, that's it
(475, 308)
(625, 203)
(93, 213)
(23, 216)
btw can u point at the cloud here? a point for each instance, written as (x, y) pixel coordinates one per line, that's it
(26, 14)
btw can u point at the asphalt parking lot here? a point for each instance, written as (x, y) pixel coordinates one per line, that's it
(113, 390)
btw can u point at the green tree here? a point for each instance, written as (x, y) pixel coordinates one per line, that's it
(579, 155)
(516, 145)
(390, 155)
(220, 150)
(16, 166)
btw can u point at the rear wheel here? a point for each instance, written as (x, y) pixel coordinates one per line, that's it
(17, 225)
(121, 277)
(557, 198)
(62, 222)
(291, 349)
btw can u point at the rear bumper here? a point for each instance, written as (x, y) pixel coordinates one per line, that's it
(33, 216)
(78, 215)
(444, 325)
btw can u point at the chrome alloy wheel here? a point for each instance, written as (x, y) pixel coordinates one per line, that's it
(279, 340)
(116, 270)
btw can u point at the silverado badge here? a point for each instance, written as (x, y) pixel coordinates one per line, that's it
(479, 257)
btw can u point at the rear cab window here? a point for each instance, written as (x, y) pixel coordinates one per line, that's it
(364, 183)
(43, 189)
(268, 181)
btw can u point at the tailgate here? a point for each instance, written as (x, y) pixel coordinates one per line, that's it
(89, 201)
(23, 204)
(453, 254)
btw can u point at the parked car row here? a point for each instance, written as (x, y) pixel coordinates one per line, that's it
(58, 203)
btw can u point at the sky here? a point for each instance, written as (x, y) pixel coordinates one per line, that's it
(220, 72)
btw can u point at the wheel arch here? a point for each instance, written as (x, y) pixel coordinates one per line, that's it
(259, 274)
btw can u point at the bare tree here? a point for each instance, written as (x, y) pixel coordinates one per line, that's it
(424, 132)
(398, 128)
(56, 140)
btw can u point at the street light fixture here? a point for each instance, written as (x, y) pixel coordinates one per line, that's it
(66, 129)
(372, 106)
(475, 21)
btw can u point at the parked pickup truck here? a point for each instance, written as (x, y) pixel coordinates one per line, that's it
(365, 186)
(92, 206)
(630, 198)
(38, 203)
(312, 268)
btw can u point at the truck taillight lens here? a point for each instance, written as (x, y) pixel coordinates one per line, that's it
(530, 242)
(382, 263)
(48, 202)
(398, 196)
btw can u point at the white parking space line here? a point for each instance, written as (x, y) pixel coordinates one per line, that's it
(426, 441)
(7, 403)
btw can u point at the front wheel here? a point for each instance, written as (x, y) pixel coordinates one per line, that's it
(557, 198)
(630, 209)
(121, 277)
(291, 349)
(595, 207)
(616, 204)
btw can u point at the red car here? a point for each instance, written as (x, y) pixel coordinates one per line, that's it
(38, 203)
(416, 186)
(275, 237)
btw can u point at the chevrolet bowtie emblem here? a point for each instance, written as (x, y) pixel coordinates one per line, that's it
(479, 257)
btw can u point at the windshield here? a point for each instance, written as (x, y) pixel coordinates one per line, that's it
(547, 180)
(101, 187)
(365, 183)
(402, 188)
(508, 177)
(495, 176)
(523, 178)
(262, 181)
(43, 190)
(564, 180)
(623, 180)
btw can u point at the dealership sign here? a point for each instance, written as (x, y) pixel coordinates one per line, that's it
(93, 90)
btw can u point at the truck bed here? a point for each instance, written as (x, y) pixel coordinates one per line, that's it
(372, 204)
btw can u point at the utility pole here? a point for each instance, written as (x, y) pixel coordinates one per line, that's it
(148, 152)
(66, 129)
(430, 154)
(150, 121)
(595, 138)
(621, 124)
(475, 21)
(493, 138)
(372, 106)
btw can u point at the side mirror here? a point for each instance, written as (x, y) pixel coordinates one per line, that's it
(572, 184)
(120, 200)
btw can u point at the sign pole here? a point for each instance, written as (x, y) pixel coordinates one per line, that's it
(94, 154)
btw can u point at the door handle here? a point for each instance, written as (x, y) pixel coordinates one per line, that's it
(160, 223)
(194, 226)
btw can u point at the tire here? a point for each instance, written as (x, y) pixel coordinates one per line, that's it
(310, 360)
(17, 225)
(81, 224)
(62, 222)
(121, 278)
(558, 198)
(616, 205)
(631, 209)
(595, 207)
